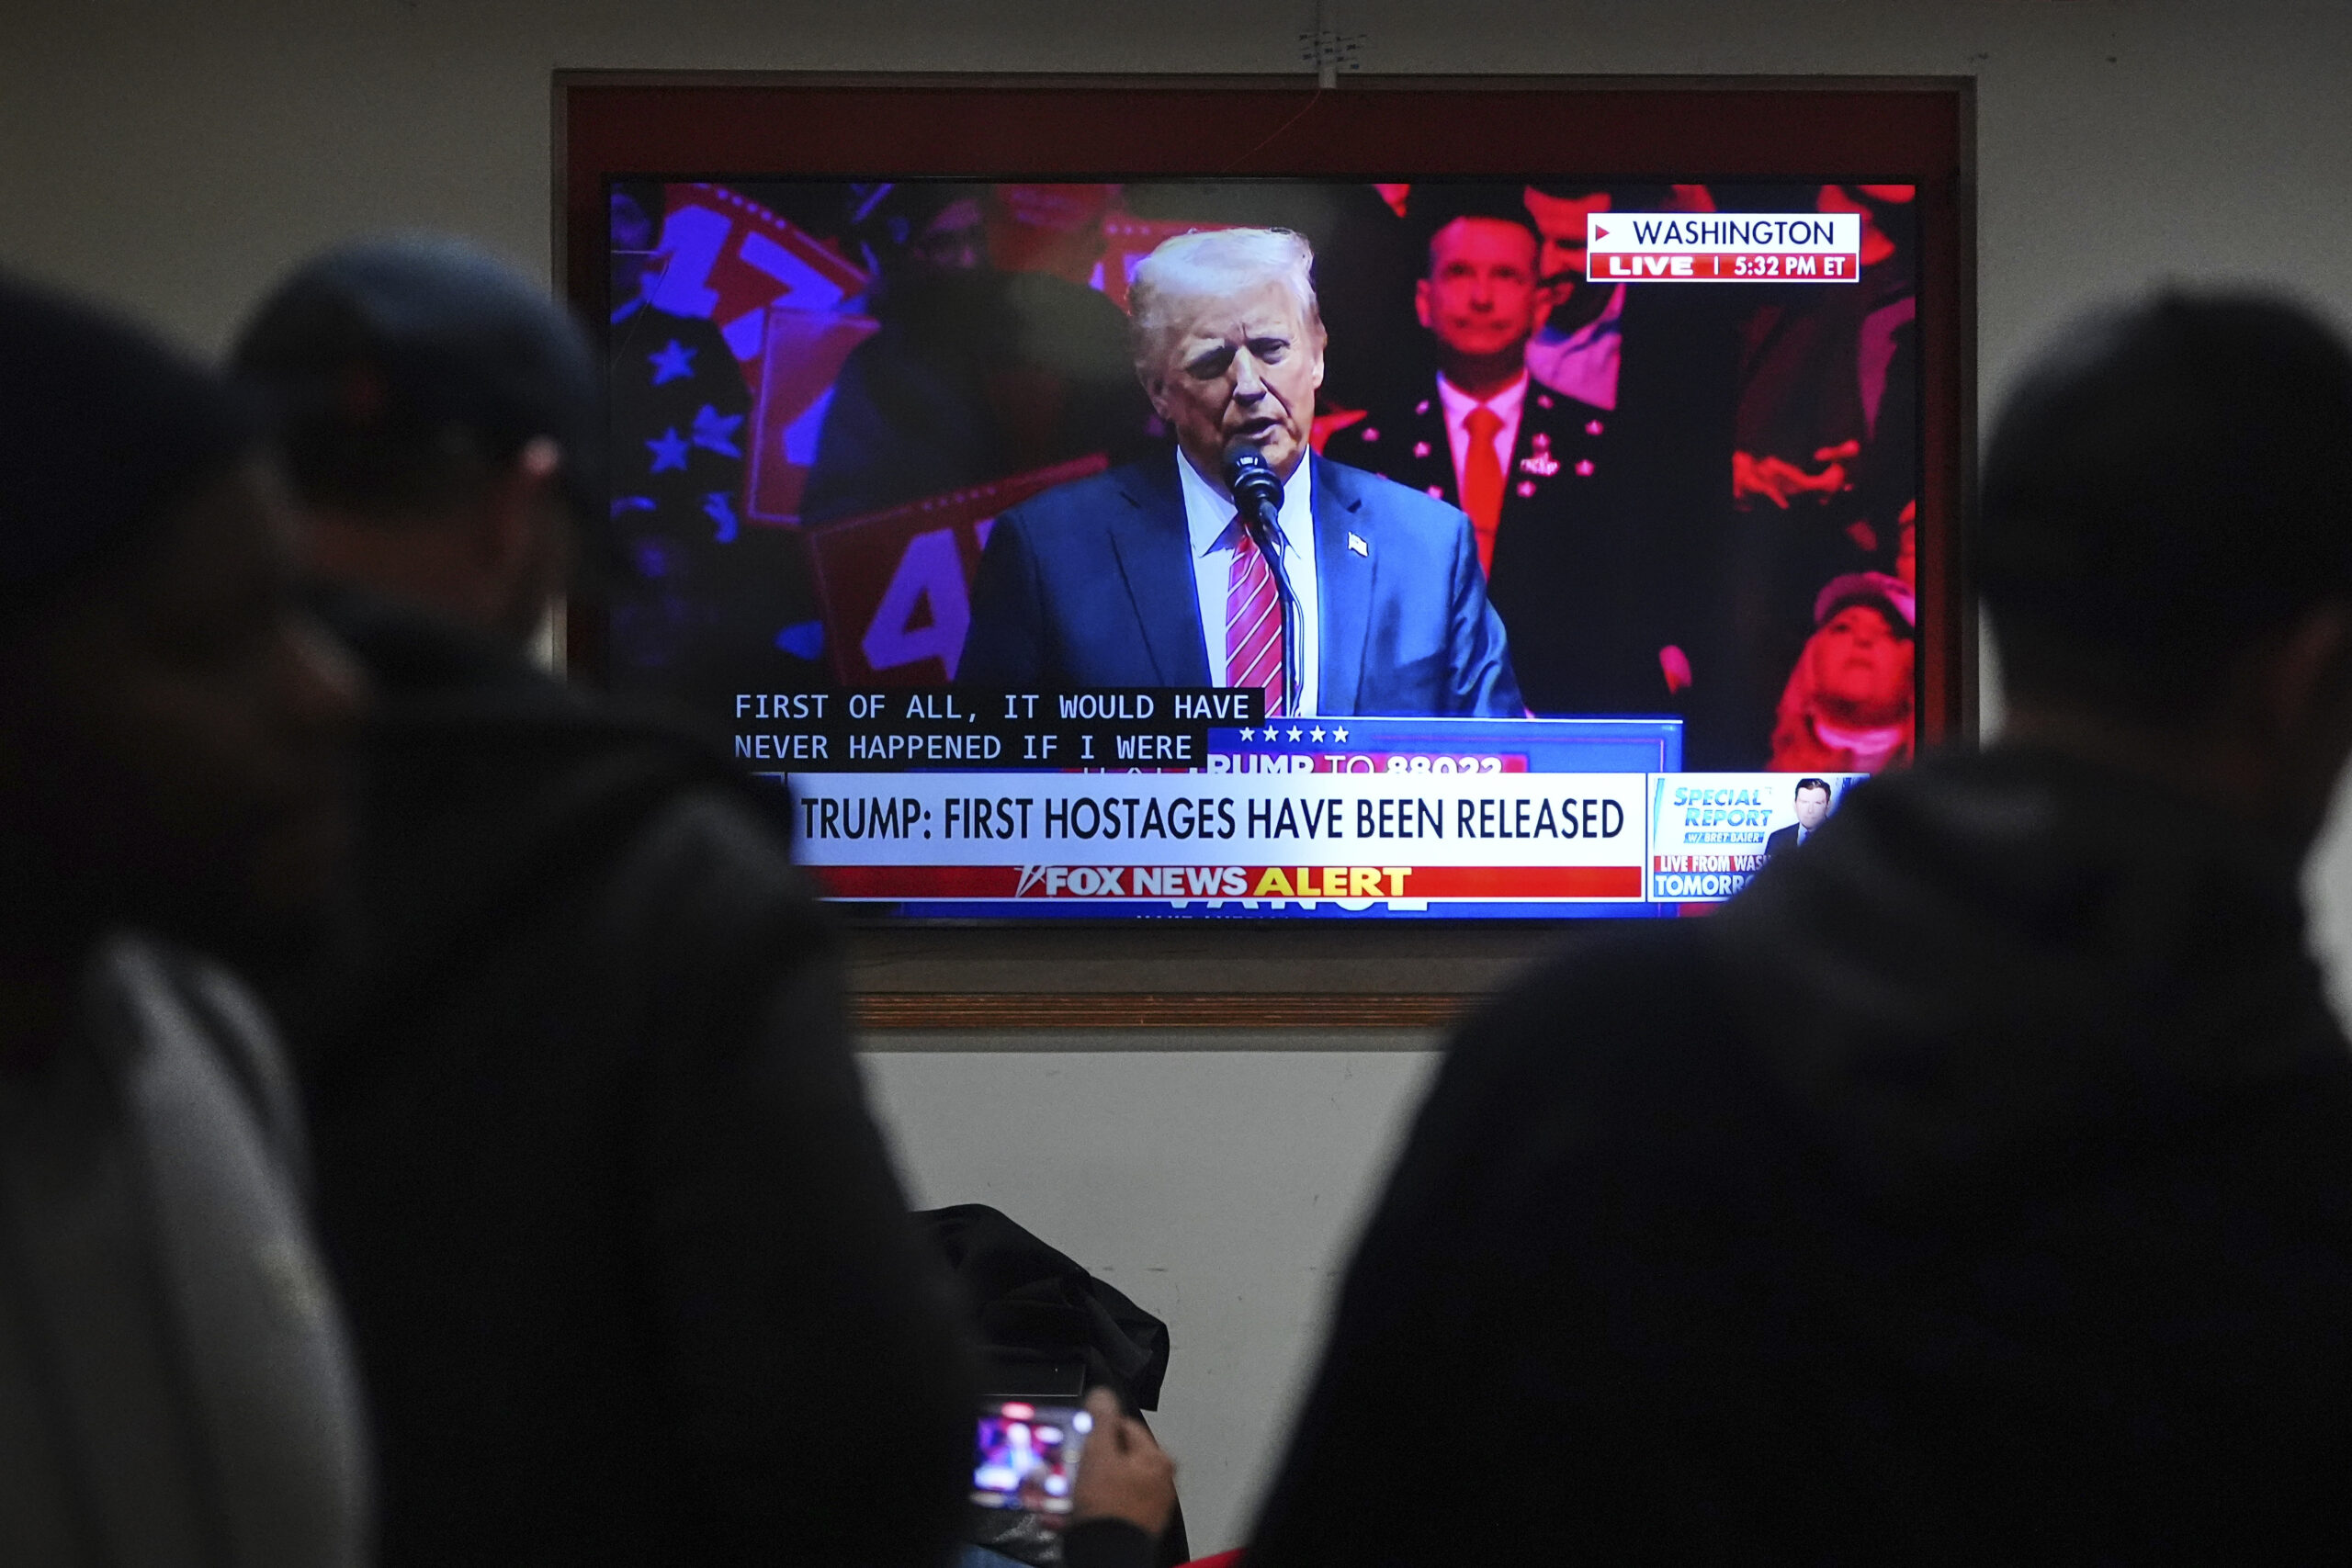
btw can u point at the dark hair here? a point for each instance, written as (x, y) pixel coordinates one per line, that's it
(2164, 487)
(104, 431)
(1804, 785)
(1623, 197)
(639, 205)
(402, 373)
(1434, 207)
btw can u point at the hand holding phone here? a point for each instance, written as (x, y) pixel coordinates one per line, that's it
(1125, 1474)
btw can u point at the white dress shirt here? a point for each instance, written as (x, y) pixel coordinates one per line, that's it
(1583, 363)
(1507, 405)
(1214, 525)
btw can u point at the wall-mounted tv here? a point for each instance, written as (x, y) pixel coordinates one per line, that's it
(1386, 541)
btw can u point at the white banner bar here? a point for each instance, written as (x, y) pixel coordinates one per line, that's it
(1302, 819)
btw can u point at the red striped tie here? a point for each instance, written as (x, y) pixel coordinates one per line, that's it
(1253, 624)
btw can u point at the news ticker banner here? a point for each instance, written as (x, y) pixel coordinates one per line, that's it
(1405, 842)
(1724, 247)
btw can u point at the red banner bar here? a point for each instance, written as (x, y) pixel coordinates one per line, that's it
(1096, 881)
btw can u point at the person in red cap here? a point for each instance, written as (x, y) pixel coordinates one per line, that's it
(1848, 704)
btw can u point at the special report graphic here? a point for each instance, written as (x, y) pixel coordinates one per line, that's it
(1711, 832)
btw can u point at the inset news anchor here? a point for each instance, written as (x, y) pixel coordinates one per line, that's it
(1812, 810)
(1144, 577)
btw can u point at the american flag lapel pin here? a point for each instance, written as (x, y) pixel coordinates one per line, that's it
(1355, 543)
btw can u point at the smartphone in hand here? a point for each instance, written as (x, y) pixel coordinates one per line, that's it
(1026, 1455)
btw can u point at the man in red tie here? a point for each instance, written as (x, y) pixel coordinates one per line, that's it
(1481, 301)
(1529, 464)
(1481, 440)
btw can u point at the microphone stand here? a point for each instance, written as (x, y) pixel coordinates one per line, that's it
(1269, 545)
(1256, 495)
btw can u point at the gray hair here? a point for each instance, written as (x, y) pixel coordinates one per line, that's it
(1210, 265)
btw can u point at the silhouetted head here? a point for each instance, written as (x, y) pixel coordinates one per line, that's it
(172, 725)
(1480, 295)
(441, 422)
(2166, 542)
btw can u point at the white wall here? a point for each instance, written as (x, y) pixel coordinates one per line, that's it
(174, 156)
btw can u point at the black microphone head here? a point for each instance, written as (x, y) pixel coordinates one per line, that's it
(1253, 480)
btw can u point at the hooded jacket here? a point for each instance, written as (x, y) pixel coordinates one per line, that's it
(1976, 1186)
(624, 1255)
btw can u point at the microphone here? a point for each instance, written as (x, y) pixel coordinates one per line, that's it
(1255, 489)
(1258, 497)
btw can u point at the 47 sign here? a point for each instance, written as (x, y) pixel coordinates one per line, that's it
(896, 586)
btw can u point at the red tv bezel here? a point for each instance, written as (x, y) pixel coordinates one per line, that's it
(1918, 131)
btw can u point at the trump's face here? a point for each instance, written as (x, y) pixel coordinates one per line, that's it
(1480, 298)
(1239, 369)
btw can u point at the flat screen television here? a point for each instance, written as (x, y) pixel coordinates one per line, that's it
(1604, 530)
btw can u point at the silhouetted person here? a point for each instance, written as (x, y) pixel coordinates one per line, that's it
(1976, 1186)
(626, 1263)
(977, 371)
(175, 1384)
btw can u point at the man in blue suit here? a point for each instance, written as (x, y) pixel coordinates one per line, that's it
(1812, 810)
(1142, 576)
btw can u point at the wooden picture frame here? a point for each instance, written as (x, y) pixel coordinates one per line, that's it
(1300, 975)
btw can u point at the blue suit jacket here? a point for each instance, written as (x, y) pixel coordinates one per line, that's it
(1090, 584)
